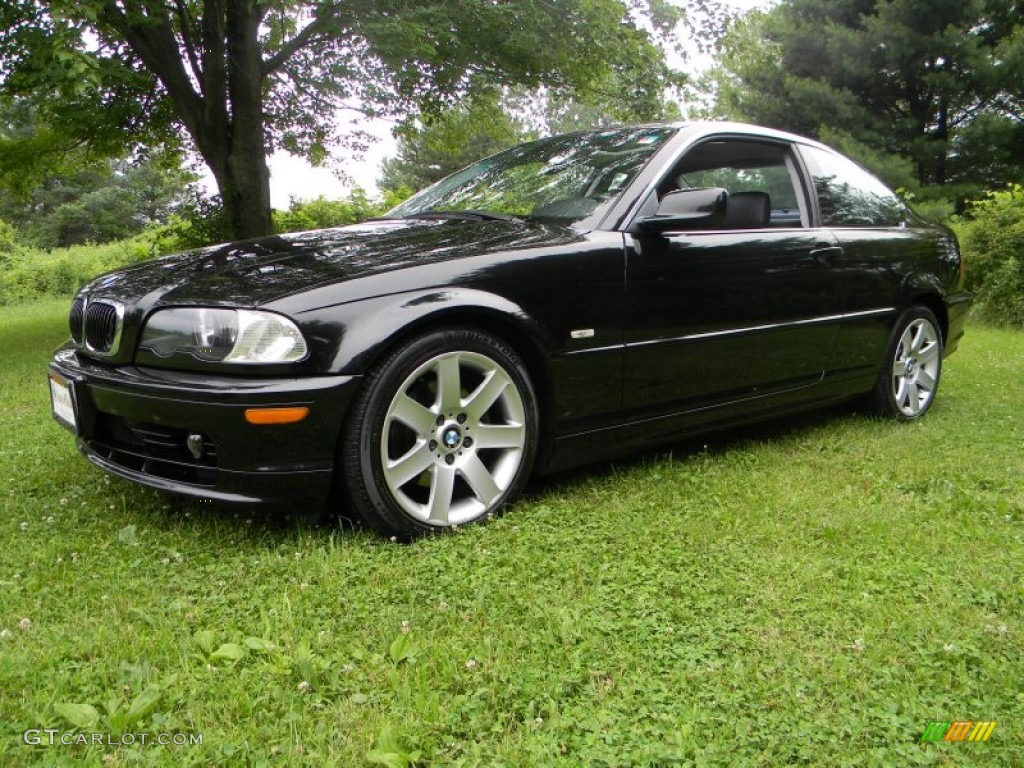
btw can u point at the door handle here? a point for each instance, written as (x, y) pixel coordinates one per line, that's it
(825, 253)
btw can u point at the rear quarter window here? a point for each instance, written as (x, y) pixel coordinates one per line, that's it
(849, 196)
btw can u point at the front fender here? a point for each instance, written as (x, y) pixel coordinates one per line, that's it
(348, 338)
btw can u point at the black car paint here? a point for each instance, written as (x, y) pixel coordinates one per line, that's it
(691, 331)
(253, 464)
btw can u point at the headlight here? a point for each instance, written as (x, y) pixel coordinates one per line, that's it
(223, 335)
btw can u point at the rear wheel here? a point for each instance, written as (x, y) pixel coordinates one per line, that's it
(443, 433)
(910, 373)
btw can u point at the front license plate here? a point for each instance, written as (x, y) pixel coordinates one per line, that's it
(63, 405)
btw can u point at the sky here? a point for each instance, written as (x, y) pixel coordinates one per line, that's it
(293, 178)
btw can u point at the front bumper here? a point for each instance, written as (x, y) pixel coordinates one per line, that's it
(135, 422)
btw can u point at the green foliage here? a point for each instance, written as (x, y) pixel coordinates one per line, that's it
(991, 237)
(322, 213)
(811, 592)
(938, 210)
(603, 108)
(440, 143)
(29, 273)
(9, 245)
(199, 222)
(897, 172)
(391, 753)
(90, 200)
(232, 78)
(934, 82)
(449, 141)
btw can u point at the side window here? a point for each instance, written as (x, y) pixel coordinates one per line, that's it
(760, 177)
(849, 196)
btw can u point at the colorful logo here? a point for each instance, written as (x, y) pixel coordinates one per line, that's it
(959, 730)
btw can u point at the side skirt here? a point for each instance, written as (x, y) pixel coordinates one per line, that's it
(576, 450)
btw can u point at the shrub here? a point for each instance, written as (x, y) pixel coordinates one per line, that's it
(29, 272)
(991, 236)
(199, 223)
(321, 212)
(9, 246)
(939, 210)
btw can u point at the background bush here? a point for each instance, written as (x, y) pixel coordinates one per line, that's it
(991, 236)
(28, 272)
(322, 212)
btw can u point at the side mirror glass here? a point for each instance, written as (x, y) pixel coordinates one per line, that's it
(689, 209)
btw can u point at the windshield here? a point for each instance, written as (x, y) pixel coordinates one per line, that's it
(563, 179)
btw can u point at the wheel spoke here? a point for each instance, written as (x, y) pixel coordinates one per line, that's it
(499, 435)
(480, 480)
(913, 397)
(899, 368)
(928, 353)
(441, 487)
(918, 330)
(449, 383)
(484, 396)
(417, 417)
(906, 344)
(900, 395)
(925, 380)
(409, 466)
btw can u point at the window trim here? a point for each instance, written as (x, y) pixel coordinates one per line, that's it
(647, 201)
(807, 161)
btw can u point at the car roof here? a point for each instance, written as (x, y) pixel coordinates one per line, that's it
(690, 130)
(694, 129)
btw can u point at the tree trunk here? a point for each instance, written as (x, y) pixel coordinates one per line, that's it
(225, 117)
(942, 136)
(247, 196)
(244, 184)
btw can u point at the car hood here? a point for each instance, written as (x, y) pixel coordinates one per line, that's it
(259, 271)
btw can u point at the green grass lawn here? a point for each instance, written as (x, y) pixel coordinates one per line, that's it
(812, 592)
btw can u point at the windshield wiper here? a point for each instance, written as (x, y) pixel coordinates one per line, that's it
(469, 215)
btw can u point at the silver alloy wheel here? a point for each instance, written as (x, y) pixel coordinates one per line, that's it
(453, 438)
(915, 367)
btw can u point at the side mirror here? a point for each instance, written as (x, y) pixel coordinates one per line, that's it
(688, 209)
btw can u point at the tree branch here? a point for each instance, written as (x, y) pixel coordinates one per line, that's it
(155, 45)
(190, 48)
(289, 48)
(215, 109)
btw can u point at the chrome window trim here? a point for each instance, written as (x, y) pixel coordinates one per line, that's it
(879, 312)
(770, 326)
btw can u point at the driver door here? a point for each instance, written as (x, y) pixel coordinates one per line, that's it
(740, 311)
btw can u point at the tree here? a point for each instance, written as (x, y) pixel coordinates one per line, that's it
(923, 79)
(67, 197)
(242, 77)
(437, 144)
(104, 201)
(440, 144)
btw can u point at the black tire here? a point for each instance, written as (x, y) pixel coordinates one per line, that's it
(443, 432)
(911, 369)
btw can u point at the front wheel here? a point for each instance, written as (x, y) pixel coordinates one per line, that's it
(910, 372)
(443, 433)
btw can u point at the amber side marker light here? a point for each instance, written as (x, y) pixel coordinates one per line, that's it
(275, 415)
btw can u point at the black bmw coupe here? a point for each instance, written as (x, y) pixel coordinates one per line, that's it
(564, 301)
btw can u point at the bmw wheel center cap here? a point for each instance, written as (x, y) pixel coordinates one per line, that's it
(451, 438)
